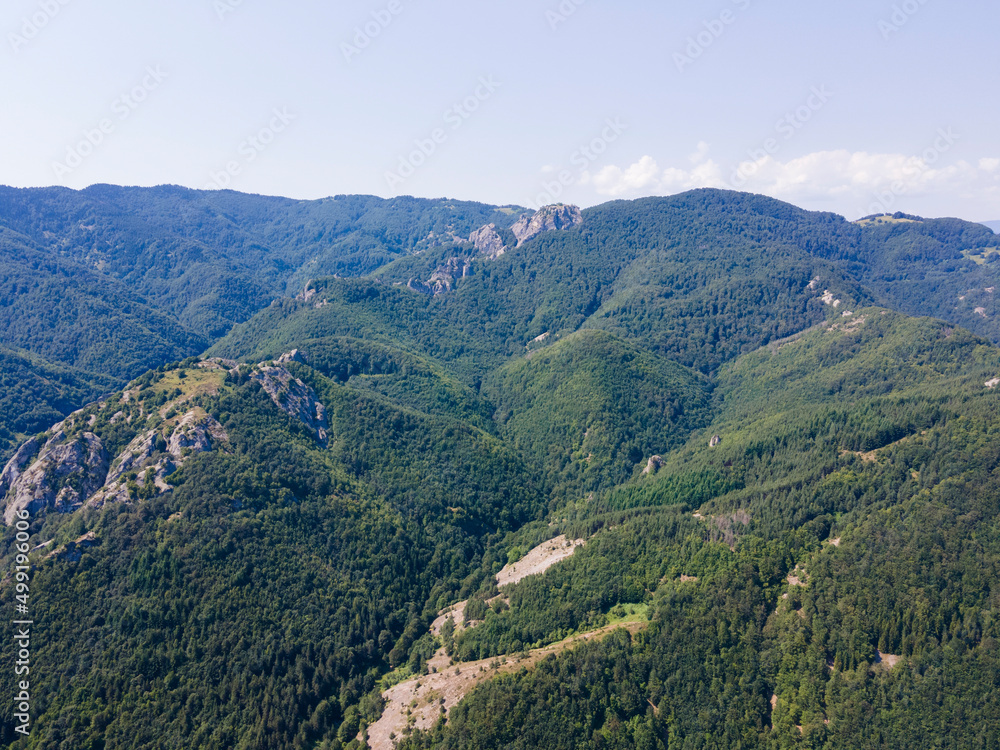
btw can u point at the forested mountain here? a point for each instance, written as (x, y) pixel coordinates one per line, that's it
(784, 484)
(115, 281)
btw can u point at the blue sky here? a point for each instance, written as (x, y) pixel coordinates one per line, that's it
(855, 107)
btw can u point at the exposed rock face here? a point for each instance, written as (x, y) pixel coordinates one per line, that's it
(715, 441)
(15, 467)
(443, 278)
(488, 245)
(416, 285)
(194, 433)
(66, 472)
(488, 242)
(654, 465)
(73, 551)
(70, 472)
(294, 398)
(293, 356)
(546, 219)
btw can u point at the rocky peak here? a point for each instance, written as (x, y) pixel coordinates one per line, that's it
(546, 219)
(293, 356)
(488, 242)
(293, 397)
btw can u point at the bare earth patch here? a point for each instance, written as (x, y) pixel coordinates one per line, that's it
(798, 577)
(419, 702)
(540, 559)
(889, 660)
(455, 612)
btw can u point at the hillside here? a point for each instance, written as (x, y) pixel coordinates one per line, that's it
(115, 281)
(701, 278)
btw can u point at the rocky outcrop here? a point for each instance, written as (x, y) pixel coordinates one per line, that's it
(488, 242)
(444, 277)
(73, 551)
(546, 219)
(294, 398)
(488, 245)
(194, 433)
(153, 456)
(654, 464)
(293, 356)
(70, 472)
(66, 472)
(15, 467)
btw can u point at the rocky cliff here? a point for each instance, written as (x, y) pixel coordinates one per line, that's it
(66, 471)
(69, 466)
(487, 242)
(546, 219)
(293, 397)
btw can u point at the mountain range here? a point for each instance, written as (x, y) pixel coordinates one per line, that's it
(706, 471)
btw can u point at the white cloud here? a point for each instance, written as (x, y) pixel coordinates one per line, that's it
(989, 165)
(700, 154)
(615, 181)
(851, 183)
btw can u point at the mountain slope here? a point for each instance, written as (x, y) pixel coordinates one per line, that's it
(114, 281)
(701, 277)
(249, 554)
(256, 568)
(812, 585)
(591, 408)
(211, 259)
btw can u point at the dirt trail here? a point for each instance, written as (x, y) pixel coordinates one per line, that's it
(425, 698)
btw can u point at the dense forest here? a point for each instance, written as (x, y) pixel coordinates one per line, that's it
(785, 483)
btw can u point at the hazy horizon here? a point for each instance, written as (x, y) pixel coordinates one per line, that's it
(829, 108)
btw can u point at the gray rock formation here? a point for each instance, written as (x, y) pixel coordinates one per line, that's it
(66, 472)
(444, 277)
(654, 465)
(546, 219)
(73, 551)
(294, 398)
(488, 243)
(15, 467)
(194, 433)
(293, 356)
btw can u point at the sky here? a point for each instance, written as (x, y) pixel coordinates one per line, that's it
(856, 107)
